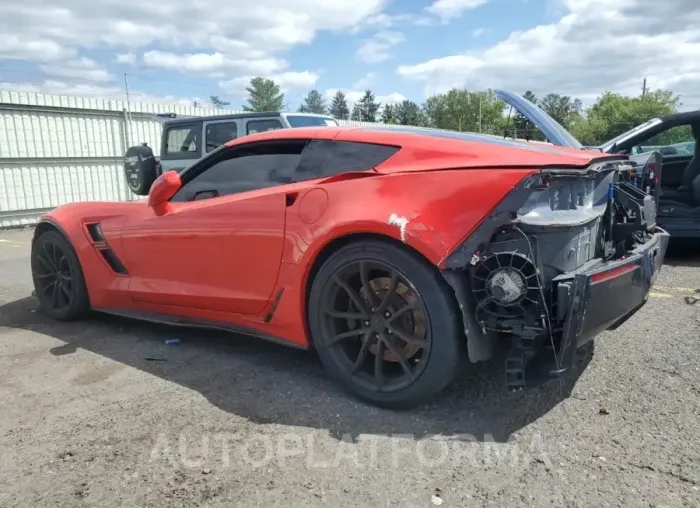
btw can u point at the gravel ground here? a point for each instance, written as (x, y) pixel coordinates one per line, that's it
(86, 420)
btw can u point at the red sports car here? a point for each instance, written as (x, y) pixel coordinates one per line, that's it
(394, 253)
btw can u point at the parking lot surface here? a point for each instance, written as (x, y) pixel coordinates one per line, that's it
(103, 413)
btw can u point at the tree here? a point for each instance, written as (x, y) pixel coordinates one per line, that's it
(388, 114)
(522, 127)
(217, 102)
(408, 113)
(313, 103)
(561, 107)
(612, 114)
(368, 107)
(356, 114)
(339, 106)
(263, 95)
(462, 110)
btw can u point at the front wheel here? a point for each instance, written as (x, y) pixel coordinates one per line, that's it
(58, 277)
(385, 324)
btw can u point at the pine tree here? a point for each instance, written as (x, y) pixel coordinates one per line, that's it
(339, 106)
(369, 107)
(263, 95)
(313, 103)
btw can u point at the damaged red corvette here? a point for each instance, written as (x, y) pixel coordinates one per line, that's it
(401, 256)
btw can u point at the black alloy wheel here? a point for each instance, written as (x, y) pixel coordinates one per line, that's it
(58, 279)
(372, 324)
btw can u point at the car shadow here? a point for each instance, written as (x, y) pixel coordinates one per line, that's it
(270, 383)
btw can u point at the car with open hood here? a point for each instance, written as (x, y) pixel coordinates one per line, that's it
(402, 256)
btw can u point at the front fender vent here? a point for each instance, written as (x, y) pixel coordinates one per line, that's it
(113, 261)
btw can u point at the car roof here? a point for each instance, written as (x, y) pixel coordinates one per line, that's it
(439, 148)
(650, 128)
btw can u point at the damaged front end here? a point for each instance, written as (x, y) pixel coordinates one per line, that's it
(567, 254)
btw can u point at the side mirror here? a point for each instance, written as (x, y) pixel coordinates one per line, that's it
(164, 188)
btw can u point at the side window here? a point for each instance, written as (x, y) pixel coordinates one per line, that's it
(243, 168)
(255, 126)
(324, 158)
(182, 139)
(220, 133)
(676, 141)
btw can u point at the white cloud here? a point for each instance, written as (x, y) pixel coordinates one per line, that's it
(126, 58)
(82, 68)
(352, 96)
(211, 63)
(597, 45)
(447, 9)
(478, 32)
(286, 80)
(259, 27)
(20, 47)
(377, 49)
(238, 41)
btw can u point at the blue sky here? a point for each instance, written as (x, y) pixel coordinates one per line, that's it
(186, 52)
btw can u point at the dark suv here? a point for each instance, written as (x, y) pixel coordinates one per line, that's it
(186, 139)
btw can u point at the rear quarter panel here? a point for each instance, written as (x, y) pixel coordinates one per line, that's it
(430, 211)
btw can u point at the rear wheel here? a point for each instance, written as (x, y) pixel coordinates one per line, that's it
(58, 279)
(385, 324)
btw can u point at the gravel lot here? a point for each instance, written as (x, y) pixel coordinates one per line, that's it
(87, 420)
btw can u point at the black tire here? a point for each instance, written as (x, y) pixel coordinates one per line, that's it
(140, 169)
(52, 253)
(440, 359)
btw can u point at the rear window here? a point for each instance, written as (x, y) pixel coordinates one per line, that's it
(255, 126)
(182, 139)
(310, 121)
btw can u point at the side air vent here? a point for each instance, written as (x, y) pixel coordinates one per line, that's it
(95, 232)
(113, 261)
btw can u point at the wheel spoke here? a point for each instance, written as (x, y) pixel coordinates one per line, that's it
(55, 295)
(359, 303)
(46, 258)
(42, 276)
(345, 315)
(56, 259)
(406, 337)
(366, 286)
(379, 364)
(404, 364)
(65, 291)
(394, 284)
(362, 354)
(346, 335)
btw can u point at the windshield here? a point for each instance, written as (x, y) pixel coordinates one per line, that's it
(310, 121)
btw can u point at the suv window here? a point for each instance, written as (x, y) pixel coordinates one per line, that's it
(220, 133)
(327, 158)
(255, 126)
(244, 168)
(182, 139)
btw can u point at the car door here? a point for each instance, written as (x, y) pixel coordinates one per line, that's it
(220, 246)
